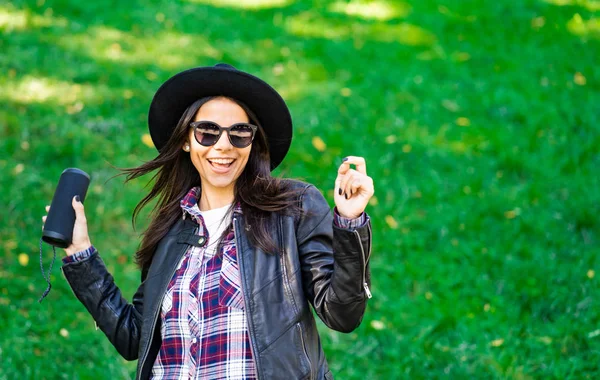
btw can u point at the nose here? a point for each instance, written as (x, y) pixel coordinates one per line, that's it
(223, 142)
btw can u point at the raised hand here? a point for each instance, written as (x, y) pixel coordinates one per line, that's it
(353, 187)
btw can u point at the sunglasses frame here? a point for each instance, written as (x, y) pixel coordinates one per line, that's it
(196, 124)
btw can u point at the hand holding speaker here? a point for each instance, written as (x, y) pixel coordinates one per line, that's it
(65, 226)
(81, 239)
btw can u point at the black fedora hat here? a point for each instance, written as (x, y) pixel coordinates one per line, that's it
(181, 90)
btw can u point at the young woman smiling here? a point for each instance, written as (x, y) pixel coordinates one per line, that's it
(232, 257)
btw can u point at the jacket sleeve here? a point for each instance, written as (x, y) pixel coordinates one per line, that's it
(95, 287)
(334, 263)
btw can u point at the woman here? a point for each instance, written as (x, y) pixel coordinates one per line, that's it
(232, 256)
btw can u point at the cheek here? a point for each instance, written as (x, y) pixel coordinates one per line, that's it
(196, 158)
(195, 161)
(245, 160)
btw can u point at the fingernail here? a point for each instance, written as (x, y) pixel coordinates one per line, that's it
(345, 159)
(77, 198)
(340, 191)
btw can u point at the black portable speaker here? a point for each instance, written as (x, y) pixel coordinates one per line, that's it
(58, 229)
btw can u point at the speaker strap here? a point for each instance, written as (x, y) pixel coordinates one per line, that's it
(47, 278)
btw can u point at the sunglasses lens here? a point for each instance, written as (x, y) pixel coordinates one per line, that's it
(207, 134)
(241, 135)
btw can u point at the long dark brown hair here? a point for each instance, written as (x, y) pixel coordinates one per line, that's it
(258, 193)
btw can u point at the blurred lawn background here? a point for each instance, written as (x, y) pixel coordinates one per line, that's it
(479, 121)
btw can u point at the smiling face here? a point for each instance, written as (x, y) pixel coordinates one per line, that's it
(221, 164)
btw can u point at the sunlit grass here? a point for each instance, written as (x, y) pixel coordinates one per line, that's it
(584, 28)
(375, 10)
(312, 24)
(30, 89)
(246, 4)
(15, 20)
(168, 49)
(591, 5)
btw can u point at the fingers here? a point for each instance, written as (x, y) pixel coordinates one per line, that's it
(45, 217)
(352, 183)
(81, 239)
(353, 186)
(359, 162)
(347, 182)
(79, 209)
(77, 206)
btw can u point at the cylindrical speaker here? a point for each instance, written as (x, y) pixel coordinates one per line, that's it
(58, 229)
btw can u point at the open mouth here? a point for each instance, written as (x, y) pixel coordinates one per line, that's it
(221, 162)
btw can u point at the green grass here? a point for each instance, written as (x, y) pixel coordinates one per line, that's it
(479, 121)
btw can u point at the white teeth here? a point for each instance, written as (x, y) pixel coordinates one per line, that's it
(221, 161)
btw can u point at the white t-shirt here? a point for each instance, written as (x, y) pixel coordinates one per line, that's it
(216, 221)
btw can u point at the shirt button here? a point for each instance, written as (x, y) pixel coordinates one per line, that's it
(194, 340)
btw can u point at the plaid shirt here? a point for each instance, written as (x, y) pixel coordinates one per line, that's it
(204, 331)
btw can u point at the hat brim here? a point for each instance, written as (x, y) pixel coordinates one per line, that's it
(180, 91)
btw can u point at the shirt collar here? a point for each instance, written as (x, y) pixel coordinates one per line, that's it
(189, 204)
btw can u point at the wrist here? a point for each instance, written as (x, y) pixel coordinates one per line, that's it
(347, 215)
(73, 249)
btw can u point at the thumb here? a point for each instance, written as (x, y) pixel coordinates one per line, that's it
(78, 207)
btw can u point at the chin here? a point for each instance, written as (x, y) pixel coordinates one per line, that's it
(222, 184)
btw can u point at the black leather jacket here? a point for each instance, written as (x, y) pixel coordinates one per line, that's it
(321, 264)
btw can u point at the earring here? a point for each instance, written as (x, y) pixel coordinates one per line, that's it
(187, 148)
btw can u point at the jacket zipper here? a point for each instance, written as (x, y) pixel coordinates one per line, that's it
(365, 260)
(155, 318)
(286, 280)
(245, 295)
(304, 348)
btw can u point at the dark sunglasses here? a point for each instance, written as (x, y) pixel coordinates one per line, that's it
(207, 133)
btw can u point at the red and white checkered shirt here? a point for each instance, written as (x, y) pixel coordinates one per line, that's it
(204, 331)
